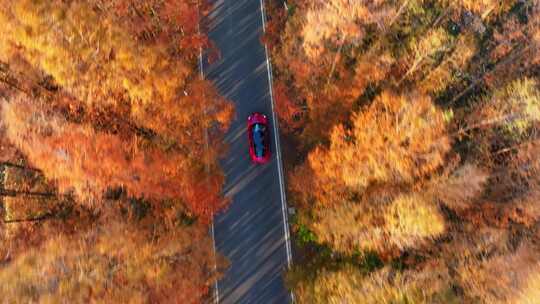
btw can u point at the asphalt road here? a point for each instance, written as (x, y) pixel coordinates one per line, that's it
(252, 232)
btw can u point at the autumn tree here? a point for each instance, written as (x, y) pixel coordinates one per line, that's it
(79, 158)
(349, 285)
(109, 144)
(312, 71)
(95, 63)
(116, 262)
(379, 225)
(452, 187)
(515, 108)
(174, 23)
(121, 92)
(398, 139)
(341, 22)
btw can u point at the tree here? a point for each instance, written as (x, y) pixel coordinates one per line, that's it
(411, 219)
(136, 95)
(114, 262)
(459, 189)
(398, 139)
(102, 102)
(173, 22)
(340, 22)
(347, 284)
(89, 162)
(498, 278)
(427, 48)
(437, 78)
(351, 226)
(515, 108)
(381, 223)
(104, 65)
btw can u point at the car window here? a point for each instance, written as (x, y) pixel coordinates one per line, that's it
(258, 134)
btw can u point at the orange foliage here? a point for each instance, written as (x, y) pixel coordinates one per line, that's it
(277, 17)
(396, 140)
(8, 152)
(286, 108)
(340, 21)
(114, 262)
(161, 21)
(89, 162)
(105, 65)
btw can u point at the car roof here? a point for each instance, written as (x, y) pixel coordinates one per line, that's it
(258, 139)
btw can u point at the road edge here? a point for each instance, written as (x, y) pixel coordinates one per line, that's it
(201, 71)
(278, 150)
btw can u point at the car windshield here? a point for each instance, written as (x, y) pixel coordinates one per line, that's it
(259, 139)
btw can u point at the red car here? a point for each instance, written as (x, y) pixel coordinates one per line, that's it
(259, 138)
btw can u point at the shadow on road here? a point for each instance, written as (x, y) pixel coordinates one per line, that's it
(250, 233)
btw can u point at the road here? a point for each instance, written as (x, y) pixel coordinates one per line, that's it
(252, 233)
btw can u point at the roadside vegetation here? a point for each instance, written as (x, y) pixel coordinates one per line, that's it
(108, 179)
(414, 164)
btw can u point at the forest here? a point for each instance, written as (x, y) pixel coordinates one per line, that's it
(412, 159)
(109, 140)
(410, 133)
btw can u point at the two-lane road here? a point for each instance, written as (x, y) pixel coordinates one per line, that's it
(253, 232)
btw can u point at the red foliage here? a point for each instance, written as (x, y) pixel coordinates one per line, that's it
(286, 108)
(163, 21)
(79, 158)
(275, 25)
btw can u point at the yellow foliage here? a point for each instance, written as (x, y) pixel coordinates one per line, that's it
(385, 286)
(396, 140)
(439, 77)
(424, 49)
(340, 21)
(91, 56)
(378, 223)
(74, 44)
(350, 226)
(516, 107)
(530, 294)
(116, 263)
(410, 220)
